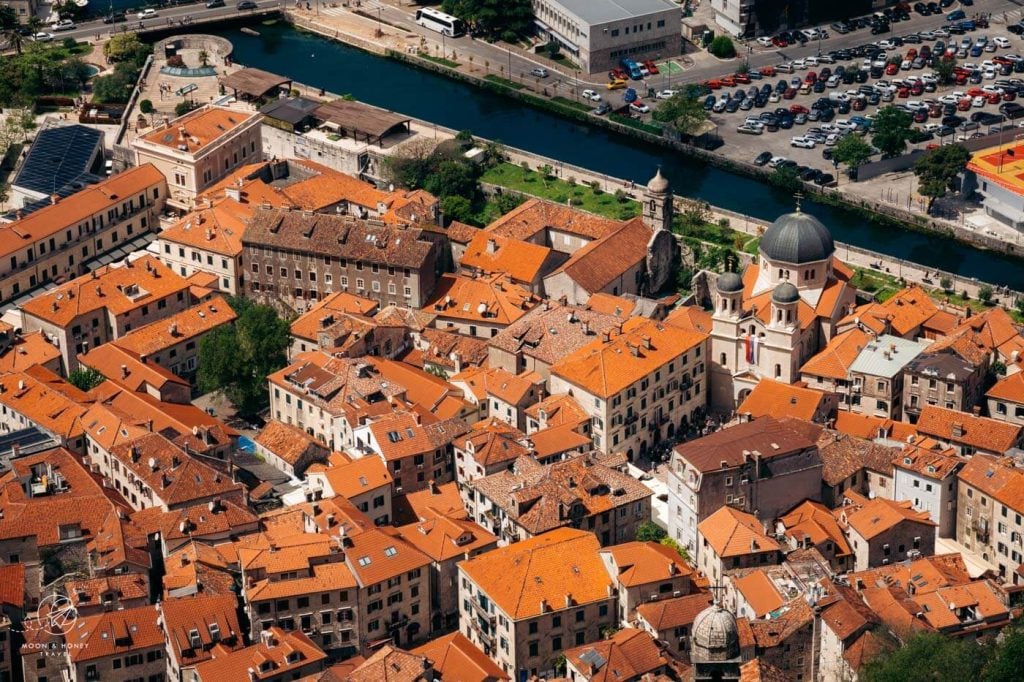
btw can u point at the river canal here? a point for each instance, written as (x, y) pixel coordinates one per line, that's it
(393, 85)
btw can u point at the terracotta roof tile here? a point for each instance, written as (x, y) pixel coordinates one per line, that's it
(91, 591)
(731, 532)
(870, 428)
(358, 477)
(326, 577)
(117, 288)
(759, 670)
(542, 569)
(873, 517)
(668, 614)
(1010, 388)
(921, 575)
(389, 664)
(126, 369)
(843, 455)
(536, 215)
(461, 233)
(552, 331)
(604, 260)
(862, 650)
(769, 436)
(604, 368)
(629, 654)
(46, 400)
(776, 399)
(620, 307)
(179, 328)
(642, 563)
(12, 585)
(27, 350)
(206, 620)
(234, 665)
(560, 409)
(197, 130)
(814, 522)
(405, 434)
(434, 501)
(215, 227)
(68, 212)
(929, 463)
(493, 299)
(308, 324)
(287, 441)
(794, 616)
(377, 554)
(456, 658)
(995, 476)
(114, 633)
(982, 433)
(442, 538)
(522, 261)
(834, 361)
(759, 591)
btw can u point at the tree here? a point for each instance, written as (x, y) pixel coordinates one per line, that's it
(685, 114)
(114, 87)
(891, 130)
(553, 49)
(507, 19)
(680, 550)
(649, 531)
(237, 359)
(853, 151)
(944, 68)
(946, 283)
(985, 293)
(146, 106)
(182, 108)
(8, 18)
(123, 47)
(722, 47)
(926, 658)
(11, 37)
(1007, 657)
(204, 57)
(457, 208)
(452, 178)
(938, 170)
(86, 378)
(785, 178)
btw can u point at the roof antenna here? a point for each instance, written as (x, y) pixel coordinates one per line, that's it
(799, 197)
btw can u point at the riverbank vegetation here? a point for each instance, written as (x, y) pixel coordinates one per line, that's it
(128, 55)
(508, 20)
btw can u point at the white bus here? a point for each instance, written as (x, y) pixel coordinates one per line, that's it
(453, 27)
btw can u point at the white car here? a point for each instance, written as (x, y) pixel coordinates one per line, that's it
(665, 94)
(775, 161)
(831, 140)
(774, 97)
(764, 41)
(799, 64)
(639, 107)
(63, 25)
(802, 142)
(886, 44)
(149, 13)
(42, 37)
(591, 95)
(940, 33)
(1001, 42)
(720, 105)
(926, 35)
(978, 102)
(992, 89)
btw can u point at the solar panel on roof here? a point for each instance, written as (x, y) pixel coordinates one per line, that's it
(58, 157)
(592, 658)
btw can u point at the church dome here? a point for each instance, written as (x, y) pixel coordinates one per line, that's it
(729, 283)
(785, 293)
(658, 184)
(797, 238)
(715, 637)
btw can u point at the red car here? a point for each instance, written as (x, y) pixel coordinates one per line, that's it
(993, 98)
(1009, 96)
(799, 109)
(920, 116)
(714, 84)
(811, 77)
(1002, 60)
(651, 68)
(892, 69)
(618, 74)
(790, 93)
(964, 104)
(779, 42)
(903, 92)
(742, 78)
(917, 89)
(728, 81)
(767, 71)
(975, 92)
(858, 104)
(961, 78)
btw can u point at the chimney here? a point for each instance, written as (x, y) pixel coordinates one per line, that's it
(124, 371)
(647, 342)
(568, 599)
(543, 605)
(958, 429)
(492, 246)
(434, 489)
(54, 198)
(672, 568)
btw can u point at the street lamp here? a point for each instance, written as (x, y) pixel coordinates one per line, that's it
(576, 85)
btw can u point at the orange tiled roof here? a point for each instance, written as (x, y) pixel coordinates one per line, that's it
(940, 607)
(90, 591)
(604, 368)
(456, 658)
(669, 614)
(493, 299)
(436, 500)
(378, 554)
(628, 654)
(776, 399)
(114, 633)
(759, 592)
(555, 440)
(868, 427)
(560, 409)
(604, 260)
(199, 568)
(835, 359)
(920, 575)
(178, 328)
(994, 330)
(309, 323)
(618, 306)
(45, 399)
(814, 522)
(442, 538)
(935, 465)
(768, 435)
(1009, 388)
(789, 619)
(327, 577)
(536, 215)
(211, 618)
(215, 227)
(360, 476)
(641, 563)
(760, 670)
(287, 441)
(843, 455)
(405, 434)
(27, 350)
(871, 518)
(125, 368)
(544, 569)
(92, 200)
(235, 665)
(12, 585)
(995, 476)
(494, 381)
(986, 434)
(551, 331)
(489, 252)
(107, 288)
(731, 532)
(198, 129)
(390, 664)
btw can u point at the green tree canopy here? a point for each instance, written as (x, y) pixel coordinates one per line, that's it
(124, 47)
(684, 112)
(944, 68)
(649, 531)
(853, 151)
(237, 359)
(938, 169)
(505, 19)
(891, 130)
(722, 47)
(85, 378)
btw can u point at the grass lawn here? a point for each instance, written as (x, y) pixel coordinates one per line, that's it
(503, 81)
(560, 191)
(752, 246)
(881, 284)
(571, 103)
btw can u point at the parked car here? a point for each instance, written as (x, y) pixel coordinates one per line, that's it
(591, 95)
(148, 13)
(63, 25)
(665, 94)
(42, 37)
(538, 72)
(246, 4)
(639, 107)
(802, 142)
(211, 4)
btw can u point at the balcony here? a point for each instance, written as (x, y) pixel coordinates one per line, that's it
(486, 638)
(482, 612)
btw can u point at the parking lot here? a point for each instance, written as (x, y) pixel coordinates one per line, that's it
(820, 99)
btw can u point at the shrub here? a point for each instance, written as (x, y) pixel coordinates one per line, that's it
(722, 47)
(175, 61)
(146, 107)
